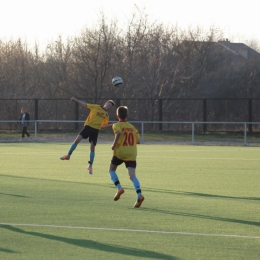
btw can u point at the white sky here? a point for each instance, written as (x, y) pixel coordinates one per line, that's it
(44, 20)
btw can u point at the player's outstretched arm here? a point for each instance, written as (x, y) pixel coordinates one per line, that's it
(82, 103)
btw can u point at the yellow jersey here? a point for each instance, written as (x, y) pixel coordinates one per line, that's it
(97, 117)
(126, 148)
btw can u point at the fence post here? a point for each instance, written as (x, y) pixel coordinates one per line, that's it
(35, 130)
(160, 113)
(36, 111)
(142, 132)
(192, 133)
(76, 115)
(205, 115)
(245, 134)
(250, 117)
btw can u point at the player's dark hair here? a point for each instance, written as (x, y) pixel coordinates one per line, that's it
(112, 102)
(122, 112)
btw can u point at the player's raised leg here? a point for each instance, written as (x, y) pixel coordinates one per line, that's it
(72, 148)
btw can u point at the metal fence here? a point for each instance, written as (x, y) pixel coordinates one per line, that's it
(171, 110)
(53, 131)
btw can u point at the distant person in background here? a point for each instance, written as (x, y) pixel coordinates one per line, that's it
(24, 119)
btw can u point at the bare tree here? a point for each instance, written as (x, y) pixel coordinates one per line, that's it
(57, 69)
(93, 53)
(16, 62)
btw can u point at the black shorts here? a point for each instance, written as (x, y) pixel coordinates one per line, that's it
(89, 133)
(116, 161)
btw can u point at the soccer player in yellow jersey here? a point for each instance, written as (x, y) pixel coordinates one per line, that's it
(97, 118)
(125, 151)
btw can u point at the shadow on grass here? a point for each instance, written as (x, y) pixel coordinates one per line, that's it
(186, 193)
(215, 196)
(197, 194)
(7, 250)
(94, 245)
(238, 221)
(13, 195)
(109, 185)
(49, 180)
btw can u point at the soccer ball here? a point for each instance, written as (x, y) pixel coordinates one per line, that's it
(117, 81)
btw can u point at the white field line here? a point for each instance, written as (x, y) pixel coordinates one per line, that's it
(132, 230)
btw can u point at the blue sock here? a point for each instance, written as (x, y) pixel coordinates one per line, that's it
(114, 179)
(137, 186)
(72, 148)
(91, 158)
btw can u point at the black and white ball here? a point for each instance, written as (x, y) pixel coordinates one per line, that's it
(117, 81)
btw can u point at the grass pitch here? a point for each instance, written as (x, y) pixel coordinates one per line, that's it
(201, 202)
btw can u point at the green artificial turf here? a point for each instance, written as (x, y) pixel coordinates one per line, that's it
(201, 202)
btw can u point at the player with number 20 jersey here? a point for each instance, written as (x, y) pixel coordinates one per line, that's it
(125, 151)
(125, 148)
